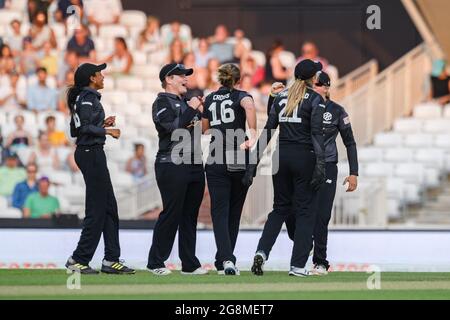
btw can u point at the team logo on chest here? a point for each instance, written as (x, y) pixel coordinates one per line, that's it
(327, 117)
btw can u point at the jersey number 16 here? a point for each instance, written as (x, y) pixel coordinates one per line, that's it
(226, 113)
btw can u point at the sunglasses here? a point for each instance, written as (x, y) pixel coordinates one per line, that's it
(178, 66)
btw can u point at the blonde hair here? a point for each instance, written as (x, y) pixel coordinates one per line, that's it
(296, 92)
(228, 75)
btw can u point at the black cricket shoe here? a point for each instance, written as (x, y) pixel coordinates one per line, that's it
(258, 262)
(116, 267)
(74, 266)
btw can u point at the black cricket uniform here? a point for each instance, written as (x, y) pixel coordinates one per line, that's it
(180, 182)
(335, 120)
(225, 114)
(101, 206)
(301, 141)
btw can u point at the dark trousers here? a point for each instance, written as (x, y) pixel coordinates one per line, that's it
(101, 207)
(325, 199)
(182, 188)
(227, 199)
(292, 194)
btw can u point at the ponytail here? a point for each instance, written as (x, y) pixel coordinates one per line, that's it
(296, 94)
(72, 94)
(228, 75)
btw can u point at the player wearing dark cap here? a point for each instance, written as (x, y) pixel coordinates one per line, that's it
(179, 172)
(298, 111)
(89, 126)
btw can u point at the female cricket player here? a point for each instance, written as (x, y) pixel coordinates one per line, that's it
(89, 126)
(225, 113)
(298, 111)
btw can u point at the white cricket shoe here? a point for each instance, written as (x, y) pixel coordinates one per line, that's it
(160, 271)
(197, 272)
(299, 272)
(319, 270)
(229, 268)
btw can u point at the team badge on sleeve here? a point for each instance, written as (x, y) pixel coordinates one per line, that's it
(346, 120)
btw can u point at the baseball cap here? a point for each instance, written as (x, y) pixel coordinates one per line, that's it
(323, 79)
(306, 69)
(174, 69)
(10, 154)
(85, 71)
(44, 178)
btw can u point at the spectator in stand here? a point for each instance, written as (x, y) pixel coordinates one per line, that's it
(275, 71)
(440, 83)
(175, 33)
(240, 48)
(100, 12)
(28, 58)
(39, 96)
(41, 33)
(33, 6)
(56, 137)
(202, 54)
(13, 95)
(220, 48)
(82, 44)
(250, 67)
(23, 189)
(7, 62)
(137, 165)
(62, 96)
(49, 60)
(10, 174)
(310, 51)
(149, 39)
(41, 204)
(71, 163)
(19, 138)
(44, 156)
(193, 89)
(176, 52)
(62, 12)
(15, 38)
(246, 85)
(212, 83)
(121, 60)
(5, 4)
(71, 63)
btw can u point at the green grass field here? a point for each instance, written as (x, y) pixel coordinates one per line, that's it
(51, 284)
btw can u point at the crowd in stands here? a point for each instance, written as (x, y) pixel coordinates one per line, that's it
(40, 50)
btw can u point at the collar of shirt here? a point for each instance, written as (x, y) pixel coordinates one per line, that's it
(170, 95)
(98, 94)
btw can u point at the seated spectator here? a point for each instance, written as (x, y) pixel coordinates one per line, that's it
(203, 54)
(440, 83)
(44, 155)
(7, 61)
(71, 163)
(70, 64)
(175, 33)
(220, 49)
(39, 96)
(137, 165)
(5, 4)
(193, 89)
(40, 204)
(49, 60)
(240, 48)
(149, 39)
(28, 58)
(121, 60)
(62, 96)
(19, 138)
(82, 44)
(176, 52)
(275, 71)
(246, 85)
(212, 82)
(100, 12)
(250, 67)
(41, 33)
(310, 51)
(15, 39)
(10, 174)
(61, 13)
(13, 95)
(56, 137)
(23, 189)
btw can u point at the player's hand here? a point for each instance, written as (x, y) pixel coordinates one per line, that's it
(248, 144)
(276, 88)
(250, 173)
(115, 133)
(109, 122)
(196, 103)
(352, 183)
